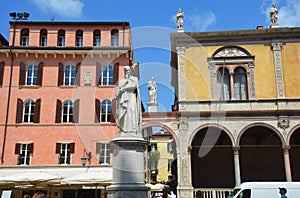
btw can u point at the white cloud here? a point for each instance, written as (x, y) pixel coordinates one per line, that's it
(200, 21)
(64, 8)
(288, 13)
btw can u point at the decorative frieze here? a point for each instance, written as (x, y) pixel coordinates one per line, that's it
(181, 73)
(278, 69)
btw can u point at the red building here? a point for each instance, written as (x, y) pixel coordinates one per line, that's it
(58, 81)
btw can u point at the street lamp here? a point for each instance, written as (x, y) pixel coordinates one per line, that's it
(15, 17)
(86, 156)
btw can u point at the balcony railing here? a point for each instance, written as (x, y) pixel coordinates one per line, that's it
(213, 192)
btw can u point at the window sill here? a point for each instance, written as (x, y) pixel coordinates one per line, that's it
(106, 86)
(29, 86)
(68, 87)
(107, 123)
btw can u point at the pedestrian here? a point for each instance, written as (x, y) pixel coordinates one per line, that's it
(39, 195)
(283, 191)
(172, 195)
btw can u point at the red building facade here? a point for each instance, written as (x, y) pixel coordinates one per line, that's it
(58, 81)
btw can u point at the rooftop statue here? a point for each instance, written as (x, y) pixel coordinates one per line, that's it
(179, 20)
(274, 14)
(152, 90)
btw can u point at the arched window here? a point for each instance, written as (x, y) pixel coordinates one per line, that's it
(115, 38)
(105, 111)
(69, 79)
(61, 38)
(31, 74)
(67, 112)
(97, 38)
(223, 83)
(43, 37)
(236, 80)
(24, 37)
(28, 111)
(79, 38)
(240, 84)
(107, 75)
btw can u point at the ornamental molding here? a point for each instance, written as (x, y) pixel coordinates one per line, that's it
(230, 52)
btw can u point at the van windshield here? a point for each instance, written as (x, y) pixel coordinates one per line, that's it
(244, 194)
(236, 190)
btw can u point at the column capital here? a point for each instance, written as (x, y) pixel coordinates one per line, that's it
(276, 46)
(286, 147)
(235, 148)
(180, 50)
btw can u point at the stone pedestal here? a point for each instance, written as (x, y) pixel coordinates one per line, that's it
(152, 106)
(128, 168)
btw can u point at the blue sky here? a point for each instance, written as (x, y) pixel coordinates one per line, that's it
(153, 21)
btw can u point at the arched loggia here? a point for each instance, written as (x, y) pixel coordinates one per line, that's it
(261, 155)
(294, 154)
(212, 159)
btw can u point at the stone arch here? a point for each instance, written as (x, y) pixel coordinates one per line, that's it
(293, 144)
(158, 124)
(212, 163)
(222, 128)
(260, 124)
(261, 155)
(290, 134)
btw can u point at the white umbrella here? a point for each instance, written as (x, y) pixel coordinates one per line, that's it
(90, 177)
(94, 178)
(31, 177)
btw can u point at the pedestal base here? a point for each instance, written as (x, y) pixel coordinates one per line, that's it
(152, 106)
(128, 168)
(128, 191)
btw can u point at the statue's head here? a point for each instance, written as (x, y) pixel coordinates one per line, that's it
(127, 70)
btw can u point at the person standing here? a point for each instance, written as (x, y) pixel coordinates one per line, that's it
(283, 191)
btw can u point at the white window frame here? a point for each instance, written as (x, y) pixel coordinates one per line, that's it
(71, 76)
(31, 78)
(68, 114)
(25, 41)
(43, 41)
(30, 111)
(65, 152)
(24, 154)
(107, 75)
(106, 104)
(61, 41)
(104, 154)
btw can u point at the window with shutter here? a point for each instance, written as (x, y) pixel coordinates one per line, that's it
(103, 151)
(2, 64)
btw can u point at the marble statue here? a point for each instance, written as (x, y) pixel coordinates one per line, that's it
(152, 90)
(274, 14)
(179, 20)
(129, 104)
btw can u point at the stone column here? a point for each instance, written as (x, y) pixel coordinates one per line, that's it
(251, 81)
(184, 188)
(236, 158)
(287, 164)
(232, 86)
(276, 47)
(181, 73)
(212, 75)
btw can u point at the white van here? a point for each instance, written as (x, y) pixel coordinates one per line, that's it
(266, 190)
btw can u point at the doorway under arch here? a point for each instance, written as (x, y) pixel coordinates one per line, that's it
(212, 159)
(261, 155)
(294, 154)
